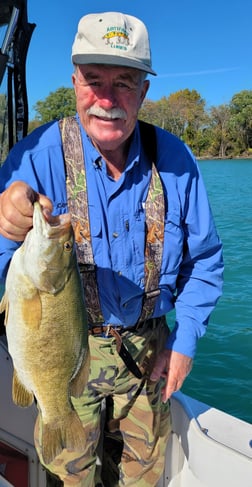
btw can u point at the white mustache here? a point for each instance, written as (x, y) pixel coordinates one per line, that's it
(112, 113)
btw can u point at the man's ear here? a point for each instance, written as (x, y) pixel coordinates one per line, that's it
(145, 87)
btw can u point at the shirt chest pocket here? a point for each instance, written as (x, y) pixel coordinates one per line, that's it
(173, 241)
(96, 235)
(95, 226)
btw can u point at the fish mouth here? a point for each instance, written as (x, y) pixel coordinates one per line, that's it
(50, 229)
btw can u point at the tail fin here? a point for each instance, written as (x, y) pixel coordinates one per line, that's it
(67, 433)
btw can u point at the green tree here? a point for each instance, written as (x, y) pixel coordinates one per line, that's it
(58, 104)
(223, 131)
(187, 114)
(33, 124)
(149, 112)
(241, 120)
(182, 113)
(220, 133)
(159, 114)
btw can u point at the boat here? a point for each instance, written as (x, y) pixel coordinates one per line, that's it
(207, 447)
(19, 463)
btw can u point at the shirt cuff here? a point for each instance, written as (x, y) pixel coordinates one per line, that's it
(183, 340)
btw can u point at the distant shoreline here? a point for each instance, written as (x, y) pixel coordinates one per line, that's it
(247, 158)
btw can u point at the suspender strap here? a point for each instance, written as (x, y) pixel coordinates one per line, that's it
(77, 199)
(154, 222)
(78, 207)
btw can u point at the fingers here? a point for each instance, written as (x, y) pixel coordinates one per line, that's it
(174, 367)
(47, 208)
(16, 210)
(172, 384)
(160, 367)
(46, 205)
(180, 366)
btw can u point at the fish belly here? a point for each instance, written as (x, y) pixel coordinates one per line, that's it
(48, 341)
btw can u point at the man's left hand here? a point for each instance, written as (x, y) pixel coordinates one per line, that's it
(174, 367)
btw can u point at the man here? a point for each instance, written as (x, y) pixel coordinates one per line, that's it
(153, 246)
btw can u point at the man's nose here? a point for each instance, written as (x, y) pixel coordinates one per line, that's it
(107, 96)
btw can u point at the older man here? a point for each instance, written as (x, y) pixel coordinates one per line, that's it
(145, 240)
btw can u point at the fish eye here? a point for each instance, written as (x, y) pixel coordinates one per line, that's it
(68, 246)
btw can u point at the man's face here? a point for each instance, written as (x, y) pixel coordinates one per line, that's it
(108, 99)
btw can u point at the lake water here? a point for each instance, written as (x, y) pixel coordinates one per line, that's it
(222, 372)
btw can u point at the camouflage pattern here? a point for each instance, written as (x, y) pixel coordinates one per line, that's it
(138, 423)
(78, 207)
(154, 214)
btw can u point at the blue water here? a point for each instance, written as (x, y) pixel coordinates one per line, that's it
(222, 372)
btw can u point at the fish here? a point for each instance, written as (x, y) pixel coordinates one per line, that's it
(47, 331)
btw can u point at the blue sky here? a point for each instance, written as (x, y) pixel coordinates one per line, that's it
(198, 45)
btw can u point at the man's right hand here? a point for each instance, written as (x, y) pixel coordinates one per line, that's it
(16, 210)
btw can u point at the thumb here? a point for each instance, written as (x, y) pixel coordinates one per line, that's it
(160, 366)
(47, 208)
(45, 203)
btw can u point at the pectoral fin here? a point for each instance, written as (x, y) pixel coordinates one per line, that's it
(3, 303)
(79, 382)
(20, 395)
(32, 311)
(4, 306)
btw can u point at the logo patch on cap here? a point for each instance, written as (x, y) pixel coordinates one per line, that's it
(117, 37)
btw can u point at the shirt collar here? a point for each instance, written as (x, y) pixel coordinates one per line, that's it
(134, 149)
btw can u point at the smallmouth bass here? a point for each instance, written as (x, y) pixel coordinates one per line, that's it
(46, 328)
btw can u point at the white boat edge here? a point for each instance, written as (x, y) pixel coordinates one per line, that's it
(207, 447)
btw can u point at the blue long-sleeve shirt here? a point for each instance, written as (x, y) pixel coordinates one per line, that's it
(191, 271)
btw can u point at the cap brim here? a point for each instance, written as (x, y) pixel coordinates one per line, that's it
(113, 60)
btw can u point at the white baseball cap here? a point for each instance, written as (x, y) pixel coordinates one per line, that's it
(112, 38)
